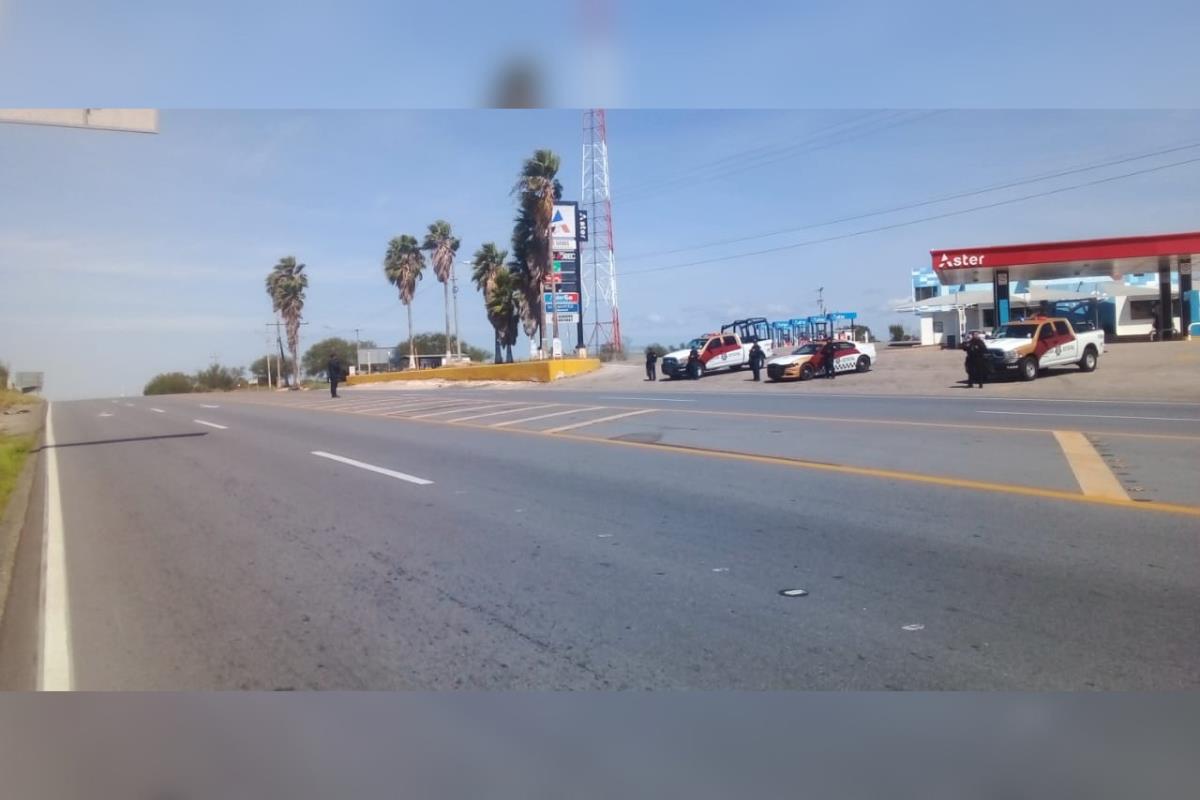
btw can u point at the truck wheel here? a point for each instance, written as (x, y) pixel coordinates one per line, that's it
(1088, 362)
(1028, 368)
(863, 364)
(806, 372)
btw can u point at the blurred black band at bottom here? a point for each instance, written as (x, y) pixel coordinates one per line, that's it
(663, 744)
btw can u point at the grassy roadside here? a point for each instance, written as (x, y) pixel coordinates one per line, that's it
(14, 448)
(13, 451)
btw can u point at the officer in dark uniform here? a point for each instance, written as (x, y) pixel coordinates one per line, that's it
(334, 370)
(651, 364)
(828, 355)
(693, 364)
(977, 365)
(757, 357)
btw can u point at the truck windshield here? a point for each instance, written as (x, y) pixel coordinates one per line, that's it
(1015, 332)
(697, 344)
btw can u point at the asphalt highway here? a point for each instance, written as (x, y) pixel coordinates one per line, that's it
(558, 539)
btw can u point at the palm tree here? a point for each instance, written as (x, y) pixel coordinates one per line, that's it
(286, 284)
(538, 189)
(504, 301)
(442, 246)
(403, 265)
(487, 262)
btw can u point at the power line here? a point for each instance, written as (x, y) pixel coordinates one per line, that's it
(906, 223)
(752, 152)
(919, 204)
(866, 130)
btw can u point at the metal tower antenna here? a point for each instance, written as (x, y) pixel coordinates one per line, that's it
(599, 267)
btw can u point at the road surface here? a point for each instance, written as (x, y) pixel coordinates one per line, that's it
(565, 539)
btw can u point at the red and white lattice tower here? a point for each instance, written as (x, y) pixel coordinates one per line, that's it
(598, 274)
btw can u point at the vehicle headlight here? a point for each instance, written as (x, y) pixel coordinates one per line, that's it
(1010, 356)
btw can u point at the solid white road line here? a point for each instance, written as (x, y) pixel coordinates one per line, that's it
(211, 424)
(547, 416)
(609, 418)
(650, 399)
(391, 473)
(519, 408)
(105, 414)
(208, 405)
(158, 411)
(425, 407)
(55, 673)
(456, 410)
(1088, 416)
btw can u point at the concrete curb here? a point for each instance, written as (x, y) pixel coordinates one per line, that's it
(12, 522)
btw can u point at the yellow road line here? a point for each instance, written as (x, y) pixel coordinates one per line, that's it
(520, 407)
(542, 416)
(896, 475)
(609, 418)
(1094, 476)
(870, 472)
(917, 424)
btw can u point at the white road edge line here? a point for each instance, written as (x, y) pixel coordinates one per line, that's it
(1088, 416)
(391, 473)
(207, 405)
(158, 411)
(55, 673)
(211, 424)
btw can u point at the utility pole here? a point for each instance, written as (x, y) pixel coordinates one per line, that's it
(821, 300)
(357, 350)
(283, 358)
(553, 288)
(454, 284)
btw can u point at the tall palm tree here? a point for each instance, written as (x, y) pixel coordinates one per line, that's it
(403, 265)
(442, 247)
(504, 309)
(488, 260)
(538, 189)
(286, 283)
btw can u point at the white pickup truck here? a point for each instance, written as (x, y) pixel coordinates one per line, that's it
(1034, 344)
(717, 351)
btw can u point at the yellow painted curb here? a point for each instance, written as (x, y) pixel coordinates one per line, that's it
(535, 371)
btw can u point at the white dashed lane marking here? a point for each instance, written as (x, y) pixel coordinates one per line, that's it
(210, 424)
(391, 473)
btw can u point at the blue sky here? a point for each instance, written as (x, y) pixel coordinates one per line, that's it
(123, 255)
(667, 53)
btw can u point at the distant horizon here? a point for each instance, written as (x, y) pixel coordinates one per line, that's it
(126, 255)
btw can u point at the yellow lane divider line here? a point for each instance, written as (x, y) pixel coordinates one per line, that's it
(1094, 476)
(843, 469)
(609, 418)
(544, 416)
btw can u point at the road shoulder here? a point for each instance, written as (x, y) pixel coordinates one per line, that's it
(21, 532)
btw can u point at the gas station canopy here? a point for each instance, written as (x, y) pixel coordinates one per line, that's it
(1112, 258)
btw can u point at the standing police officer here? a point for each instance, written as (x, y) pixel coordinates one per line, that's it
(651, 364)
(757, 357)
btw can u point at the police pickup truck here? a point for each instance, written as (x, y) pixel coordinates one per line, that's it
(1033, 344)
(717, 351)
